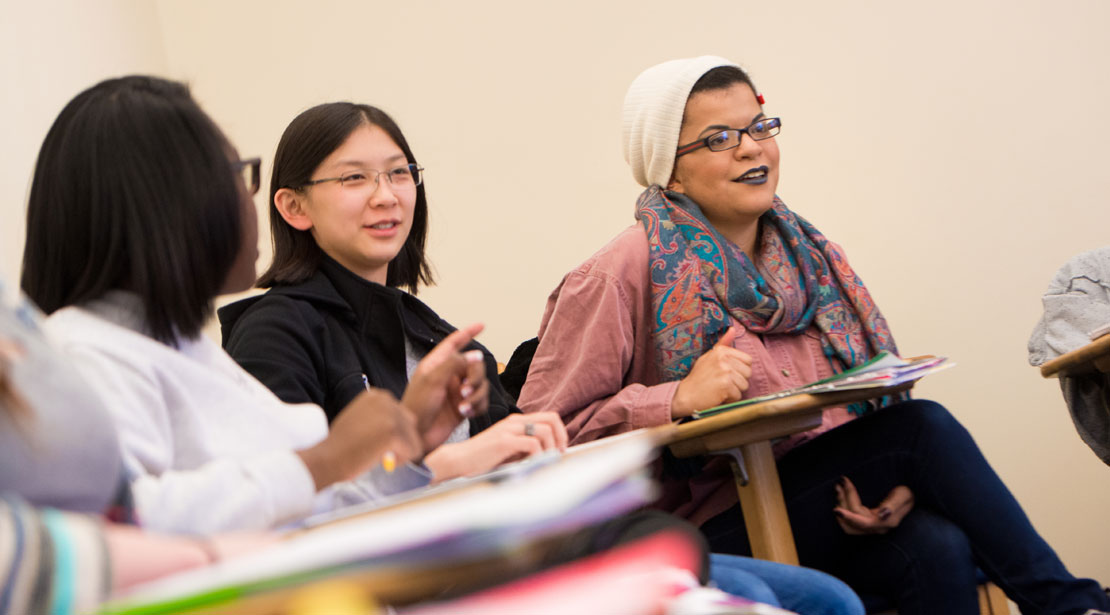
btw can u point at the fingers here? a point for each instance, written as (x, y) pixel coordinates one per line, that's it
(542, 432)
(558, 430)
(517, 447)
(727, 339)
(475, 368)
(545, 426)
(725, 345)
(854, 523)
(855, 518)
(851, 496)
(459, 339)
(731, 364)
(476, 401)
(474, 390)
(895, 506)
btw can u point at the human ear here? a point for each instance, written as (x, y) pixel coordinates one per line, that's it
(290, 205)
(675, 184)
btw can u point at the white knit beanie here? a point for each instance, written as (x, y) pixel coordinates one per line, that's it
(653, 109)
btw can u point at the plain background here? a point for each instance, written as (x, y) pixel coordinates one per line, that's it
(956, 149)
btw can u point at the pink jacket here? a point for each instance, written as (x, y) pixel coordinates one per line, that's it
(595, 366)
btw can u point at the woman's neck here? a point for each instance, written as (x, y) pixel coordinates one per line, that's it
(745, 237)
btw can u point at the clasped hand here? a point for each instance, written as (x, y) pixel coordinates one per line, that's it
(857, 519)
(719, 376)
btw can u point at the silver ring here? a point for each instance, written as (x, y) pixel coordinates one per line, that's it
(529, 429)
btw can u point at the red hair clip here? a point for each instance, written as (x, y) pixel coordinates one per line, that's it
(759, 97)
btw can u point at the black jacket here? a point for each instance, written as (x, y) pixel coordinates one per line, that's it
(324, 340)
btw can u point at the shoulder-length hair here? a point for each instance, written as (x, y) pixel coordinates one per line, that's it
(134, 189)
(311, 137)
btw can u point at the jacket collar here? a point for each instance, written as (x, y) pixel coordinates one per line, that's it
(335, 288)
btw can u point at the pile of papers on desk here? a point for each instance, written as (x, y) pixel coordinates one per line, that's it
(465, 520)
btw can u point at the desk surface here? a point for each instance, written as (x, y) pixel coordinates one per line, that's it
(1084, 360)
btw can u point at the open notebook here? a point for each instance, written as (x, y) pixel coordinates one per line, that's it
(883, 370)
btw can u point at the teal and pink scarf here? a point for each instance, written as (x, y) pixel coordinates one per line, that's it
(699, 280)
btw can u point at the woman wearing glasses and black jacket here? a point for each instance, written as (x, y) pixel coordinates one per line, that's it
(349, 219)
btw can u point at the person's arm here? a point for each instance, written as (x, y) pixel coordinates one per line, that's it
(137, 556)
(69, 562)
(53, 561)
(581, 369)
(258, 491)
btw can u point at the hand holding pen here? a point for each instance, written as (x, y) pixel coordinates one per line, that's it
(373, 427)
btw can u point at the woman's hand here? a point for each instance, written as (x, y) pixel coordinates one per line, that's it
(373, 423)
(447, 386)
(510, 439)
(718, 377)
(855, 518)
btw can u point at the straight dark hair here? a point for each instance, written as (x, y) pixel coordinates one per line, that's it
(311, 137)
(134, 189)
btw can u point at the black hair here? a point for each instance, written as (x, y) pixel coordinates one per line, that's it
(311, 137)
(134, 189)
(721, 77)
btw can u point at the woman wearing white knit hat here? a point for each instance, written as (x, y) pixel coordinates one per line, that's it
(721, 292)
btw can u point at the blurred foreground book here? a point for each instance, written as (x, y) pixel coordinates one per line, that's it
(459, 536)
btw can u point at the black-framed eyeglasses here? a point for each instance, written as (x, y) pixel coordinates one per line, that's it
(251, 172)
(407, 176)
(727, 139)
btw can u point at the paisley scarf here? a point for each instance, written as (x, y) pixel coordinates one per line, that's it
(700, 281)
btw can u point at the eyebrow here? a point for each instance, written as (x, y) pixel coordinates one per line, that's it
(719, 127)
(362, 163)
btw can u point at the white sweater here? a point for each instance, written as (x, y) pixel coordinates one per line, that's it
(209, 448)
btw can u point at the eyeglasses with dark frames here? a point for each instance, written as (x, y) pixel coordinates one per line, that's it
(251, 172)
(758, 130)
(407, 176)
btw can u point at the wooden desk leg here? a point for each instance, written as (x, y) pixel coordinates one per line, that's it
(764, 509)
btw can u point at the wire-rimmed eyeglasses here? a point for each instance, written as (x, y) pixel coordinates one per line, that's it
(409, 175)
(758, 130)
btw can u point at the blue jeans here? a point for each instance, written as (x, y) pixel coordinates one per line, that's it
(802, 590)
(963, 517)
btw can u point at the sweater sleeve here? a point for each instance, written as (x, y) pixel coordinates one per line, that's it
(583, 367)
(252, 492)
(279, 344)
(52, 562)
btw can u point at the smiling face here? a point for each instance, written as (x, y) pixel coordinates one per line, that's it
(733, 187)
(362, 225)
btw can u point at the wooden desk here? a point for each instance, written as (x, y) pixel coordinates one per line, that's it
(749, 430)
(1092, 357)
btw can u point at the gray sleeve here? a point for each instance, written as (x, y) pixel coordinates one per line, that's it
(1088, 399)
(377, 484)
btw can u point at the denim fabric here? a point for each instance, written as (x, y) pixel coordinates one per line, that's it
(794, 588)
(963, 516)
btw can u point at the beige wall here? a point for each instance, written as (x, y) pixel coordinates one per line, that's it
(955, 148)
(49, 51)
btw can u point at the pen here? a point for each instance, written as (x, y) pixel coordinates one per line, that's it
(389, 458)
